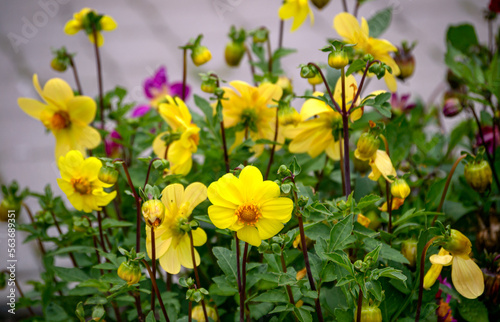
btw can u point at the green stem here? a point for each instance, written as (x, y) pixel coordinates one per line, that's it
(184, 73)
(238, 271)
(157, 291)
(345, 125)
(197, 277)
(75, 73)
(153, 264)
(99, 77)
(360, 304)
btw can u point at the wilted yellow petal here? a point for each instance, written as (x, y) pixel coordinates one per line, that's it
(467, 277)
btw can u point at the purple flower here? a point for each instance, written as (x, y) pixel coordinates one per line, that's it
(401, 103)
(140, 111)
(157, 87)
(491, 139)
(112, 148)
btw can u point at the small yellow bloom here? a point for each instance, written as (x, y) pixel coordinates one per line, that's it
(173, 245)
(201, 55)
(248, 205)
(467, 277)
(249, 108)
(130, 272)
(298, 10)
(179, 153)
(348, 27)
(315, 135)
(380, 163)
(80, 183)
(67, 116)
(80, 21)
(395, 205)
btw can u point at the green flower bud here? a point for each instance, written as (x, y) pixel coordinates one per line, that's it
(130, 272)
(320, 3)
(234, 53)
(58, 65)
(478, 175)
(307, 71)
(108, 175)
(369, 314)
(200, 55)
(6, 205)
(400, 189)
(338, 59)
(209, 85)
(153, 212)
(409, 250)
(367, 146)
(260, 35)
(316, 80)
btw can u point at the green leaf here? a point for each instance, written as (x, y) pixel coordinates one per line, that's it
(375, 288)
(343, 315)
(226, 260)
(379, 22)
(473, 310)
(282, 52)
(367, 201)
(272, 296)
(389, 272)
(374, 254)
(295, 167)
(205, 107)
(302, 314)
(95, 300)
(80, 312)
(386, 252)
(56, 313)
(151, 316)
(462, 37)
(341, 259)
(70, 274)
(340, 232)
(355, 66)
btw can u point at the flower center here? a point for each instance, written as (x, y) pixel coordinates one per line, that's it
(82, 186)
(60, 120)
(248, 214)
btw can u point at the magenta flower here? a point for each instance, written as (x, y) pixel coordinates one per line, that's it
(112, 148)
(156, 87)
(400, 104)
(491, 139)
(140, 111)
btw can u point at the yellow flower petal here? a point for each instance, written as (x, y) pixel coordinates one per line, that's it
(171, 198)
(82, 110)
(333, 149)
(383, 164)
(222, 217)
(194, 194)
(347, 26)
(199, 237)
(277, 209)
(432, 275)
(170, 262)
(350, 90)
(467, 277)
(163, 240)
(64, 144)
(184, 253)
(90, 168)
(100, 39)
(312, 107)
(252, 179)
(57, 92)
(226, 192)
(31, 107)
(444, 260)
(390, 81)
(72, 27)
(108, 23)
(159, 146)
(65, 186)
(250, 235)
(269, 227)
(267, 93)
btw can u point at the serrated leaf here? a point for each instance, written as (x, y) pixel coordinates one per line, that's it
(302, 314)
(379, 22)
(356, 65)
(226, 260)
(113, 223)
(340, 232)
(367, 201)
(70, 274)
(272, 296)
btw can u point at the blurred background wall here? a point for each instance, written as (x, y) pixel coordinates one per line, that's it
(148, 35)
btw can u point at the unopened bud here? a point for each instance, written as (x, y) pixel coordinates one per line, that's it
(58, 65)
(320, 4)
(369, 313)
(130, 272)
(108, 175)
(234, 53)
(478, 175)
(452, 107)
(367, 146)
(338, 59)
(209, 85)
(409, 250)
(198, 315)
(153, 212)
(400, 189)
(200, 55)
(458, 243)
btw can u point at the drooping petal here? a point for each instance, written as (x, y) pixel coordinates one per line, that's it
(170, 262)
(100, 39)
(250, 235)
(199, 237)
(444, 260)
(184, 253)
(159, 146)
(383, 164)
(72, 27)
(467, 277)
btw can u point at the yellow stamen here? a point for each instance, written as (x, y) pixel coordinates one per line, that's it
(248, 214)
(60, 120)
(82, 186)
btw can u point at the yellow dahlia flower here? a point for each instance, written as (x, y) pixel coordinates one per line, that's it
(249, 108)
(347, 27)
(80, 183)
(467, 277)
(179, 153)
(248, 205)
(80, 21)
(298, 10)
(173, 245)
(381, 164)
(67, 116)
